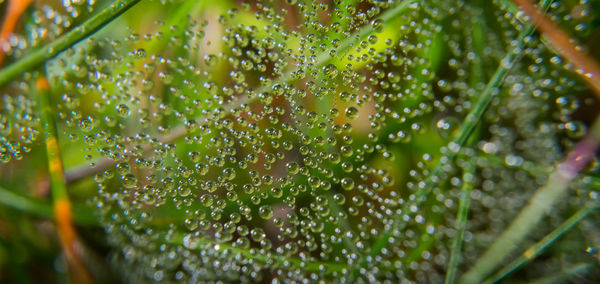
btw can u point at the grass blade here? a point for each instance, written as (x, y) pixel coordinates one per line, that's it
(207, 245)
(39, 56)
(62, 205)
(39, 208)
(461, 223)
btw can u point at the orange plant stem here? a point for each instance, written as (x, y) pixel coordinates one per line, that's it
(13, 13)
(62, 205)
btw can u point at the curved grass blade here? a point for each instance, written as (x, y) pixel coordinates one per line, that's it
(85, 216)
(39, 56)
(25, 204)
(565, 275)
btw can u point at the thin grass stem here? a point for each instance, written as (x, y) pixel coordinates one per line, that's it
(25, 204)
(62, 206)
(461, 223)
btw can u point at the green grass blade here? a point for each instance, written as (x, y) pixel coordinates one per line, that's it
(39, 56)
(39, 208)
(535, 250)
(55, 164)
(461, 223)
(85, 215)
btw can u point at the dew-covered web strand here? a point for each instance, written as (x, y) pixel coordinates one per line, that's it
(454, 147)
(280, 261)
(40, 55)
(351, 112)
(100, 164)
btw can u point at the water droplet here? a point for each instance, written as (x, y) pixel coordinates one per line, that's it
(351, 112)
(293, 168)
(330, 71)
(265, 212)
(123, 110)
(347, 183)
(129, 181)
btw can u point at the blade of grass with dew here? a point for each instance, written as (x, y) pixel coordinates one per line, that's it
(478, 42)
(542, 200)
(62, 206)
(342, 223)
(84, 170)
(471, 121)
(461, 222)
(535, 250)
(40, 55)
(531, 168)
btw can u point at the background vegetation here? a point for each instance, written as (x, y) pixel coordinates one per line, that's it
(336, 141)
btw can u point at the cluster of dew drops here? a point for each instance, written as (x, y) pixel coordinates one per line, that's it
(20, 125)
(282, 139)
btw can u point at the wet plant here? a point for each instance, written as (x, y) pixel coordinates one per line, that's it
(299, 141)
